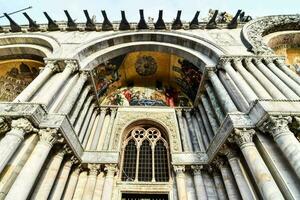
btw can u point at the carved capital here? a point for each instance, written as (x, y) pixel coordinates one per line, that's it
(84, 75)
(23, 124)
(219, 162)
(242, 136)
(49, 136)
(93, 169)
(197, 169)
(277, 126)
(52, 65)
(4, 125)
(110, 169)
(179, 169)
(223, 61)
(228, 152)
(72, 65)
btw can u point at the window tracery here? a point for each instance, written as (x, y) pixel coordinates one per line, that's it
(145, 156)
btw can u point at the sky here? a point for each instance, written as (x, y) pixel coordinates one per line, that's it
(55, 8)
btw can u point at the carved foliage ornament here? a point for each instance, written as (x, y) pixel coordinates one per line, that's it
(242, 136)
(254, 31)
(277, 125)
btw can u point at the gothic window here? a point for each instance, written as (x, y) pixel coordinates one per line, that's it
(145, 156)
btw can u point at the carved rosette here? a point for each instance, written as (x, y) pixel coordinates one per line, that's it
(242, 137)
(4, 125)
(110, 169)
(197, 169)
(49, 136)
(277, 126)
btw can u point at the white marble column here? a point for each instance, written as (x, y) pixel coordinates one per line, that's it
(27, 177)
(183, 132)
(206, 123)
(98, 129)
(46, 181)
(72, 97)
(281, 65)
(210, 114)
(277, 82)
(91, 181)
(209, 186)
(259, 170)
(12, 140)
(109, 129)
(285, 139)
(244, 185)
(61, 179)
(71, 185)
(36, 84)
(109, 181)
(198, 182)
(81, 116)
(229, 182)
(192, 129)
(222, 95)
(79, 103)
(78, 193)
(15, 165)
(71, 67)
(215, 102)
(99, 186)
(89, 132)
(222, 195)
(180, 182)
(111, 135)
(202, 129)
(198, 133)
(86, 122)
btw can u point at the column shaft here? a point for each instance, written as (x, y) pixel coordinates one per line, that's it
(192, 130)
(229, 182)
(182, 130)
(83, 130)
(78, 193)
(82, 115)
(219, 186)
(215, 103)
(209, 186)
(108, 133)
(91, 182)
(206, 123)
(109, 182)
(180, 182)
(199, 183)
(98, 129)
(89, 130)
(71, 185)
(288, 71)
(210, 114)
(200, 145)
(99, 187)
(203, 133)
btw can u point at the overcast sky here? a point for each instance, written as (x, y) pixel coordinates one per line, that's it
(189, 7)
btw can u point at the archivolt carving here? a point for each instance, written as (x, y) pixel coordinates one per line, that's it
(254, 31)
(166, 119)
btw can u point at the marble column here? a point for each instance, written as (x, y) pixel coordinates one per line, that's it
(71, 185)
(202, 130)
(259, 170)
(192, 130)
(219, 185)
(98, 129)
(198, 134)
(82, 114)
(244, 185)
(87, 119)
(112, 136)
(244, 88)
(71, 67)
(198, 182)
(61, 179)
(15, 165)
(222, 95)
(215, 103)
(99, 186)
(79, 103)
(229, 182)
(91, 181)
(277, 82)
(46, 181)
(37, 83)
(74, 93)
(206, 123)
(27, 177)
(109, 129)
(210, 114)
(281, 65)
(78, 193)
(284, 78)
(109, 181)
(182, 130)
(209, 186)
(268, 85)
(285, 139)
(180, 182)
(12, 139)
(89, 130)
(251, 80)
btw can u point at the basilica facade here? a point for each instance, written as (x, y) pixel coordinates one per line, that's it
(150, 110)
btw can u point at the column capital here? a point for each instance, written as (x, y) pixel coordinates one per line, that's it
(268, 60)
(94, 169)
(84, 75)
(219, 162)
(72, 65)
(223, 61)
(179, 169)
(4, 125)
(228, 152)
(49, 136)
(242, 136)
(277, 125)
(23, 124)
(110, 169)
(197, 169)
(52, 65)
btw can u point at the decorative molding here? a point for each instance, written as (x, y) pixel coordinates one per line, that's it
(254, 31)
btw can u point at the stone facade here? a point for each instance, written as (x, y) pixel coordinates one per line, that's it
(239, 140)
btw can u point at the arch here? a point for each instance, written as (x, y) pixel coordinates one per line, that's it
(254, 31)
(198, 50)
